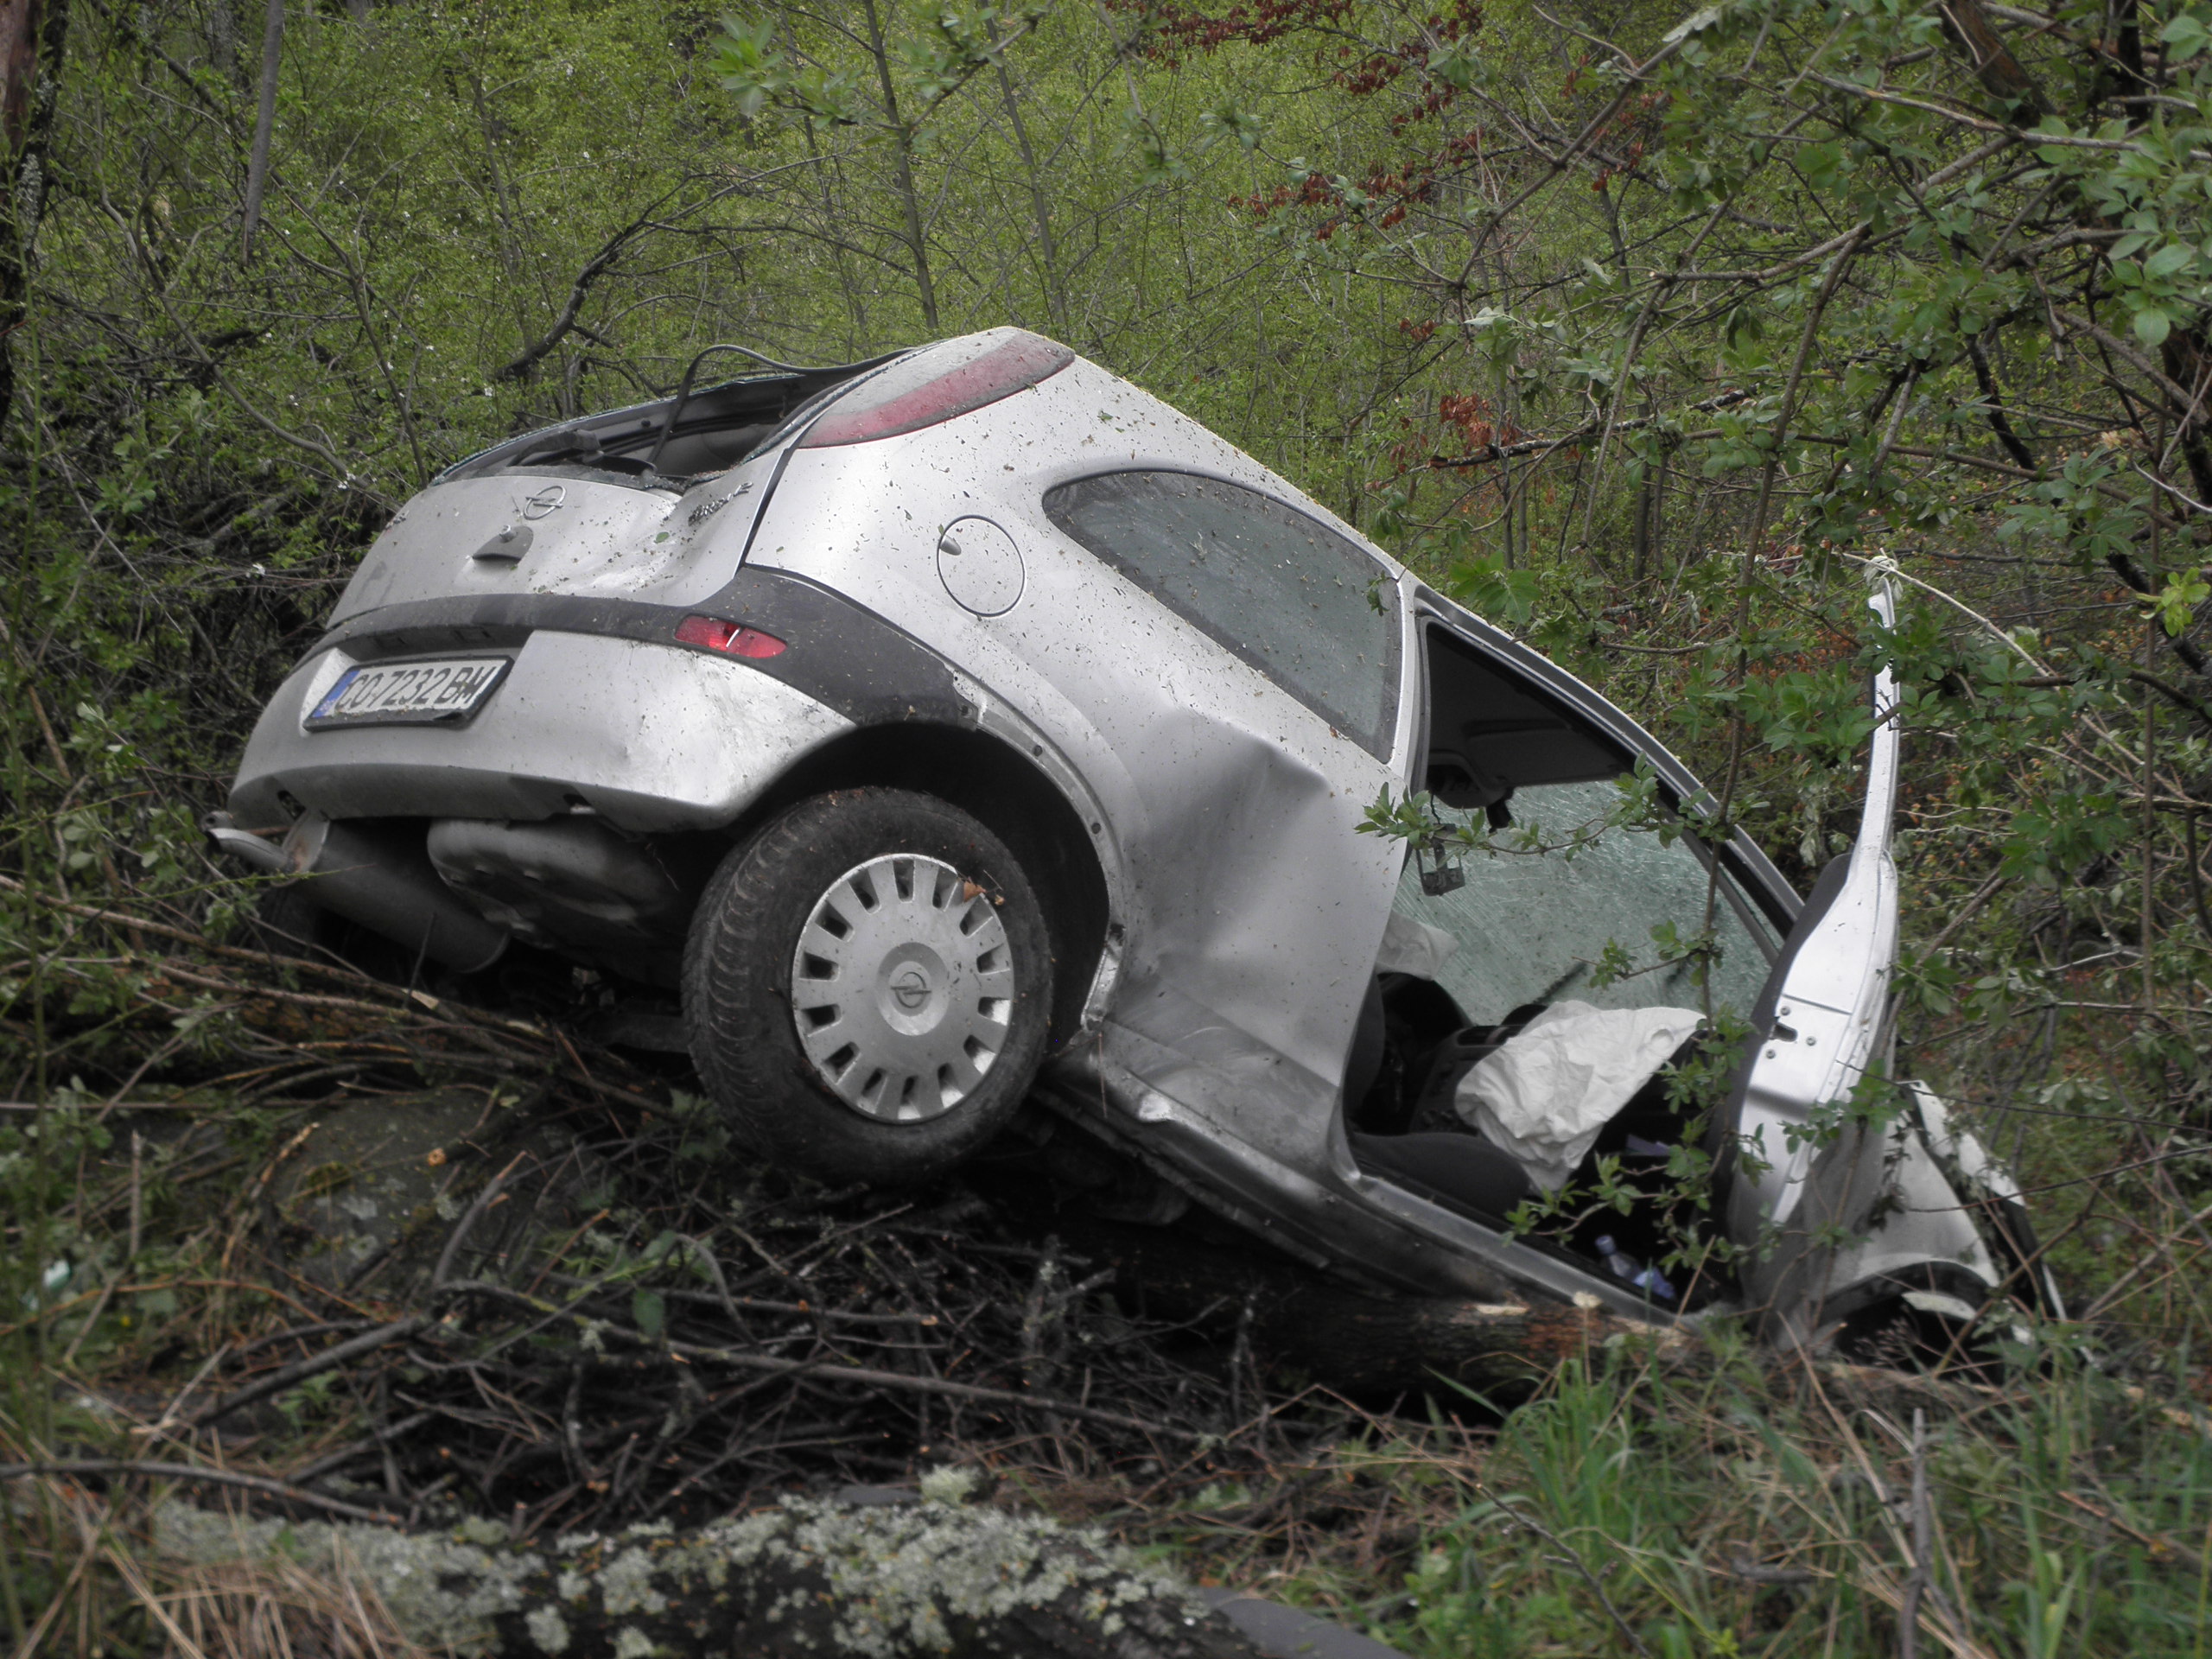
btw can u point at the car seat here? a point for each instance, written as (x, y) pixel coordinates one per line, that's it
(1437, 1156)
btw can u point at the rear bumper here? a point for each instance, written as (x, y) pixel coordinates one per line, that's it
(650, 736)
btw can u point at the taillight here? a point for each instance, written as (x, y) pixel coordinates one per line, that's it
(731, 638)
(937, 384)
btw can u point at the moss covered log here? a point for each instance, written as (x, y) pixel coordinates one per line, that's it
(809, 1577)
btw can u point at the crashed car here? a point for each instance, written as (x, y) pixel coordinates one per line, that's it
(968, 728)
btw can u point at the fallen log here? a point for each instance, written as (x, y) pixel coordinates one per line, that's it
(1353, 1340)
(807, 1578)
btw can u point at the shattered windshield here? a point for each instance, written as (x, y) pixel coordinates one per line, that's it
(1572, 906)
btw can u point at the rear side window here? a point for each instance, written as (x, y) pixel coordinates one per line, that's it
(1307, 607)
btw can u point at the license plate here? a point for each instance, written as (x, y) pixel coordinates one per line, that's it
(409, 694)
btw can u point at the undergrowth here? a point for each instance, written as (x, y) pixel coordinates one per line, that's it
(1757, 1509)
(201, 441)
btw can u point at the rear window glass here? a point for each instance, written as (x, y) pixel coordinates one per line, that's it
(1309, 609)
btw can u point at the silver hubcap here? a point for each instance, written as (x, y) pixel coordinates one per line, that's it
(902, 987)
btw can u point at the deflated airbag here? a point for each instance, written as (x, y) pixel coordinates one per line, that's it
(1545, 1094)
(1414, 947)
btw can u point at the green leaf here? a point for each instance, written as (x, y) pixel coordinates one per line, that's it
(747, 63)
(648, 1312)
(2152, 326)
(2174, 256)
(1455, 65)
(1228, 122)
(2175, 604)
(2186, 36)
(1487, 587)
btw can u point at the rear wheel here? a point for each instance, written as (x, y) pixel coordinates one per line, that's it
(866, 987)
(287, 924)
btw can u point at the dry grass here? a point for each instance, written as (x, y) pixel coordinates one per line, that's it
(81, 1582)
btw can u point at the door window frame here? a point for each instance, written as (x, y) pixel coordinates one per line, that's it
(1741, 858)
(1383, 743)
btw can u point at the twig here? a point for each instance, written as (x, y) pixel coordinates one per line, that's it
(1572, 1557)
(160, 1426)
(2196, 876)
(266, 1487)
(2111, 1293)
(697, 1353)
(2157, 1544)
(528, 356)
(137, 1202)
(371, 1442)
(1916, 1584)
(276, 1382)
(468, 1223)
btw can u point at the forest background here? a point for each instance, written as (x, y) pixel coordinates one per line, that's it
(1642, 332)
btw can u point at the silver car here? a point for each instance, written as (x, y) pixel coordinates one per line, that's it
(968, 727)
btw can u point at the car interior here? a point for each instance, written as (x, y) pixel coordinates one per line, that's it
(1488, 735)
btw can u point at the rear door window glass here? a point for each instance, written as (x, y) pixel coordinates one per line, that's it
(1311, 610)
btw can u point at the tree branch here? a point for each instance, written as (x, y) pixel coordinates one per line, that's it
(192, 1471)
(529, 356)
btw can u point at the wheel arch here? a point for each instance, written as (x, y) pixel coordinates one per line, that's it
(987, 777)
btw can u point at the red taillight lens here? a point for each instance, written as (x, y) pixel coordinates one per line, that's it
(937, 384)
(731, 638)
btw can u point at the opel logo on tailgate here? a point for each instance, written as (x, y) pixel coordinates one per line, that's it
(537, 506)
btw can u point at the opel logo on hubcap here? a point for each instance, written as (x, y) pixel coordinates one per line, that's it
(911, 989)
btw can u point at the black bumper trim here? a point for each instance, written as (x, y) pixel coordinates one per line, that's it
(840, 654)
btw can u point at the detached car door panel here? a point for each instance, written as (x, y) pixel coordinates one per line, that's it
(1806, 1170)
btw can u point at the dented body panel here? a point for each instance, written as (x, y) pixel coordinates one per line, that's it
(1252, 909)
(653, 739)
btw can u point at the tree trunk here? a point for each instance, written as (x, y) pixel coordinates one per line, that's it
(1048, 257)
(1355, 1341)
(31, 36)
(223, 38)
(902, 155)
(808, 1578)
(265, 123)
(2184, 355)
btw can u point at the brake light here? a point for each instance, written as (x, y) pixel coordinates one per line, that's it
(936, 385)
(731, 638)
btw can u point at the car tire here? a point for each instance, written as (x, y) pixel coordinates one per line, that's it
(868, 987)
(291, 926)
(285, 924)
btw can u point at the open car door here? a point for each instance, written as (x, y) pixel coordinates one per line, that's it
(1801, 1171)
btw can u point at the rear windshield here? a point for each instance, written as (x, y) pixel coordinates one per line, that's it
(717, 427)
(1313, 611)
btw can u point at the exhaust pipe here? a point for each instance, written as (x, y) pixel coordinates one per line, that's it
(246, 846)
(378, 877)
